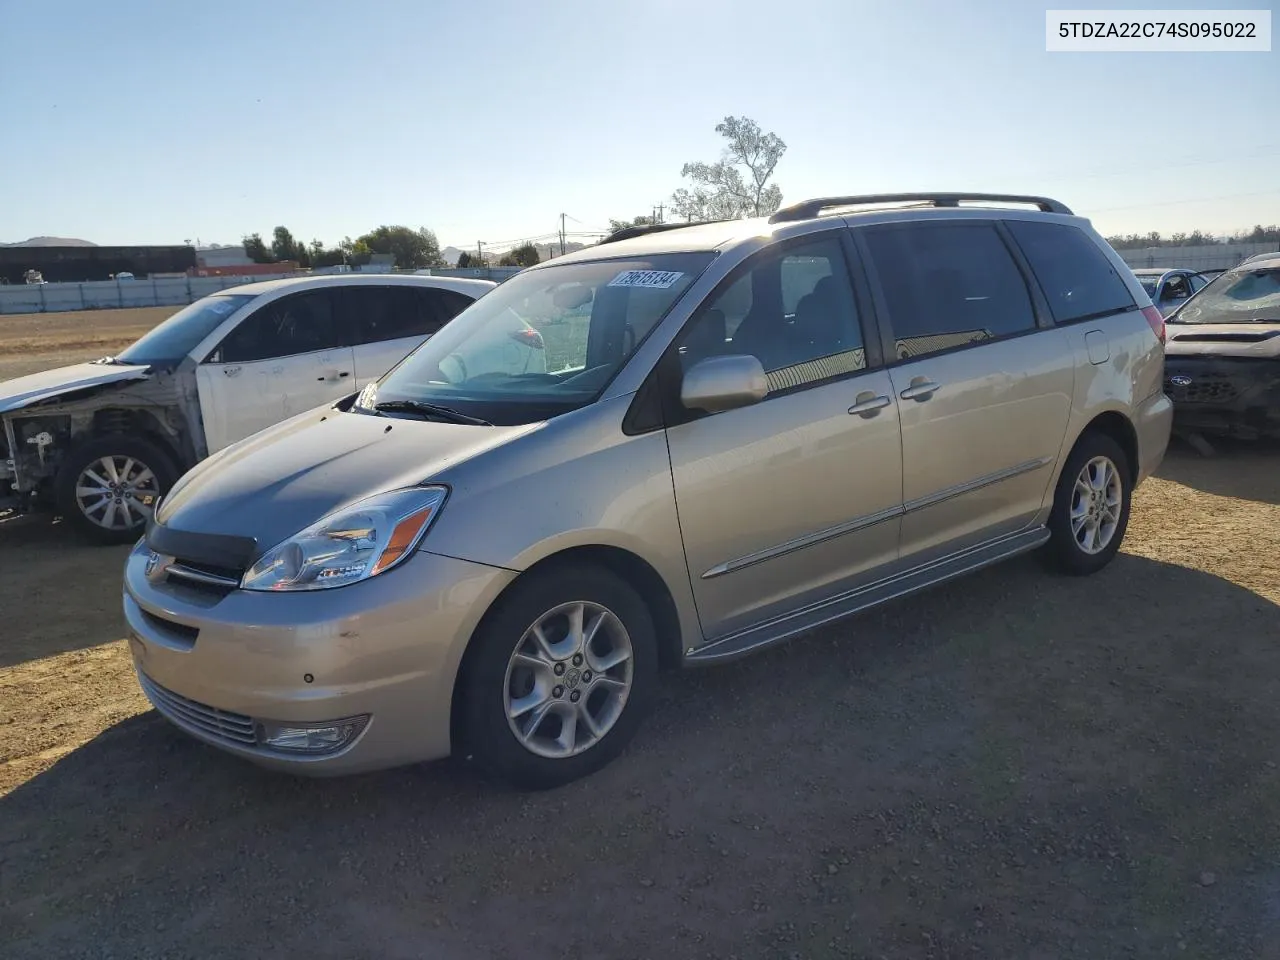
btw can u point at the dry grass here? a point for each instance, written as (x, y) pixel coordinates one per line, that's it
(32, 342)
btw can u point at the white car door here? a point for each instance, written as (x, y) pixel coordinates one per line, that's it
(287, 357)
(392, 320)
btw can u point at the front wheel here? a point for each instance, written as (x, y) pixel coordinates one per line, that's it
(108, 486)
(558, 677)
(1090, 506)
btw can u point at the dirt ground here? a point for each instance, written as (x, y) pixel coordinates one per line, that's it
(32, 342)
(1013, 765)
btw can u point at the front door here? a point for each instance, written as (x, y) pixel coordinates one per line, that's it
(289, 356)
(983, 391)
(796, 498)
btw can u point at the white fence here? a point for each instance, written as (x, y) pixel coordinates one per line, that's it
(157, 291)
(1209, 256)
(113, 294)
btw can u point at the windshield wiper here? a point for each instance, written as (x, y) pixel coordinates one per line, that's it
(430, 411)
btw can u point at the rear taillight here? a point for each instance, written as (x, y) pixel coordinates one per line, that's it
(1156, 320)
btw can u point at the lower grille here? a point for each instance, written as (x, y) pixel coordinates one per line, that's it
(1203, 388)
(222, 725)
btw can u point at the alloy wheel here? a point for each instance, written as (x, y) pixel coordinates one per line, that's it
(568, 679)
(116, 492)
(1096, 502)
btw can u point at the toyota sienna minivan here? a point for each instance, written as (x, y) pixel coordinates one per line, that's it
(742, 430)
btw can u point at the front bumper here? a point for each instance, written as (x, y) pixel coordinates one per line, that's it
(1226, 396)
(227, 668)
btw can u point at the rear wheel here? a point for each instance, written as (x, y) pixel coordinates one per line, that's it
(558, 677)
(108, 486)
(1090, 506)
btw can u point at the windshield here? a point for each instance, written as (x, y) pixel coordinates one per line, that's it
(1149, 284)
(180, 334)
(1240, 296)
(545, 342)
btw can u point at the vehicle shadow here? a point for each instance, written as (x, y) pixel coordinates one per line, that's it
(60, 593)
(1246, 471)
(998, 744)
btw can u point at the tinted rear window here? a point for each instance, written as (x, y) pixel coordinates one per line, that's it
(1076, 276)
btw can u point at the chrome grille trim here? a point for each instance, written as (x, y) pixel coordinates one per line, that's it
(180, 571)
(224, 726)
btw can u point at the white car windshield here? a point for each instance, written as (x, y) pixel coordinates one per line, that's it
(547, 341)
(176, 337)
(1240, 296)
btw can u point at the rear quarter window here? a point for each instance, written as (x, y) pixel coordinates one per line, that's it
(1076, 276)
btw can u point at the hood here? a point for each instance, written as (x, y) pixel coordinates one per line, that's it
(1249, 340)
(15, 394)
(277, 482)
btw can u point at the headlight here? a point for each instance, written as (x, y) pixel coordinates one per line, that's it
(353, 544)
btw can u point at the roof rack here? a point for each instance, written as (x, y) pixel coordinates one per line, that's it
(627, 233)
(812, 208)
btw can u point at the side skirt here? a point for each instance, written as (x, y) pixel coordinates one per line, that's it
(815, 615)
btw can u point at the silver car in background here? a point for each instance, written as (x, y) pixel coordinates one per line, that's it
(740, 431)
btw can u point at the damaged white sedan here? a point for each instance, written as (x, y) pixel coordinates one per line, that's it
(102, 441)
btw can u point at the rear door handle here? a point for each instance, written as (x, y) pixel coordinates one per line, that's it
(869, 404)
(920, 389)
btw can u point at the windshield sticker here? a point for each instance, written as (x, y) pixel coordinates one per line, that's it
(653, 279)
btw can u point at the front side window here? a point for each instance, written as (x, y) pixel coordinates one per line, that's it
(1151, 285)
(1176, 288)
(793, 310)
(180, 334)
(295, 324)
(1076, 276)
(1197, 282)
(947, 285)
(543, 343)
(1238, 296)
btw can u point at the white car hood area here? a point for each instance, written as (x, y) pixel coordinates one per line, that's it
(23, 391)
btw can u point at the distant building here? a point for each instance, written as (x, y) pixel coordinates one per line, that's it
(228, 256)
(79, 263)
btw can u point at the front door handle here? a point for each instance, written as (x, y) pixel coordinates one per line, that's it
(920, 389)
(869, 404)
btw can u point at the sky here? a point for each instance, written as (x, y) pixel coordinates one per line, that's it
(159, 122)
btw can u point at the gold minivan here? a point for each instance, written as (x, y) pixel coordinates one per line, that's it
(736, 432)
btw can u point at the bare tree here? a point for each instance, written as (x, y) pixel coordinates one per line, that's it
(737, 185)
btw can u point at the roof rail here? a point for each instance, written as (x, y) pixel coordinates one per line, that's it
(812, 208)
(627, 233)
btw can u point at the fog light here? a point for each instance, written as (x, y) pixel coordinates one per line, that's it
(313, 738)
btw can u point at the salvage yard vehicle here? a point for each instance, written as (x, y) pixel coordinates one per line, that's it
(1222, 365)
(1170, 288)
(744, 430)
(103, 440)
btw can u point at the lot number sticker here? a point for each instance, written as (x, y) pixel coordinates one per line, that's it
(653, 279)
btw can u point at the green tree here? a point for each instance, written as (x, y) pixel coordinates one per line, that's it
(355, 252)
(411, 248)
(256, 250)
(616, 225)
(525, 255)
(465, 259)
(283, 246)
(737, 185)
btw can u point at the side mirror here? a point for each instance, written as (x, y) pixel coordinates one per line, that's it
(723, 383)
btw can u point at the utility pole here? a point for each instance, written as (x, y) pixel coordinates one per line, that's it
(562, 216)
(480, 252)
(661, 207)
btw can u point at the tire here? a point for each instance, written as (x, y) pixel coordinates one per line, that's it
(150, 468)
(549, 674)
(1070, 547)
